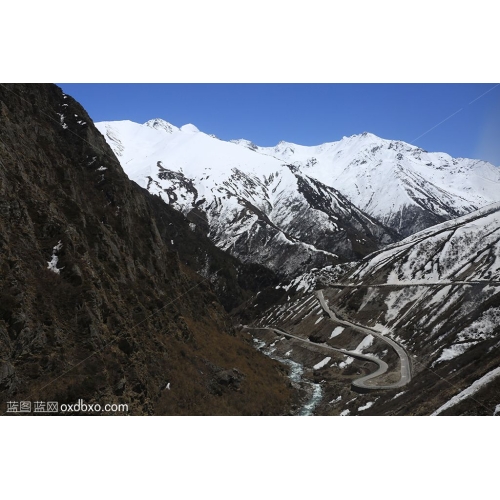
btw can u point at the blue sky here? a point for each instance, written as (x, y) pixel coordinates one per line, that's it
(313, 113)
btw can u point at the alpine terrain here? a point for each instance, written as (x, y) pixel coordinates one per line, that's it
(414, 327)
(291, 207)
(173, 273)
(255, 206)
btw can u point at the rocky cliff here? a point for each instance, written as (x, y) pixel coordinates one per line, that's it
(106, 293)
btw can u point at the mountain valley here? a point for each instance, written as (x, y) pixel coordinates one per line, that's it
(163, 268)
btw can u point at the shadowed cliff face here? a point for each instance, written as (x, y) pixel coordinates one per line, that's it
(106, 294)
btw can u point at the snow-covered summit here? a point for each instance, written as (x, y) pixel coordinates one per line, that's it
(189, 127)
(308, 194)
(250, 200)
(246, 143)
(394, 181)
(159, 124)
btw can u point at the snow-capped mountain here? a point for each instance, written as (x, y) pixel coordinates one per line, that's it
(400, 185)
(253, 205)
(295, 207)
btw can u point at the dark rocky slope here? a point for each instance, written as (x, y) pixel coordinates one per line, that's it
(133, 299)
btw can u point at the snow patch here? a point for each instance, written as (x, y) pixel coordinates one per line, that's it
(337, 331)
(322, 363)
(453, 352)
(61, 118)
(472, 389)
(52, 264)
(366, 406)
(347, 362)
(364, 344)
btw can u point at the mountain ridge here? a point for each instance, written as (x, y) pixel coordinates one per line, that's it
(243, 194)
(247, 199)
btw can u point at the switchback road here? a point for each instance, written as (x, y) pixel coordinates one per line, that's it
(403, 356)
(360, 382)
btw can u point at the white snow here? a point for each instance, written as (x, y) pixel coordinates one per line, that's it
(52, 264)
(366, 406)
(345, 413)
(337, 331)
(322, 363)
(398, 394)
(348, 361)
(471, 390)
(366, 169)
(497, 410)
(61, 119)
(452, 352)
(483, 328)
(318, 320)
(364, 344)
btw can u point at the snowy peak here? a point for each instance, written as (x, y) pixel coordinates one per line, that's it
(159, 124)
(364, 137)
(252, 205)
(189, 127)
(342, 198)
(245, 143)
(400, 185)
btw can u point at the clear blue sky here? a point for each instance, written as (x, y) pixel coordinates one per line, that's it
(313, 113)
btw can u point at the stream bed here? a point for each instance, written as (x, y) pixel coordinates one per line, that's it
(295, 375)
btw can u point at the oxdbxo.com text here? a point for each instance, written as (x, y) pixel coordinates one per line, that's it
(81, 406)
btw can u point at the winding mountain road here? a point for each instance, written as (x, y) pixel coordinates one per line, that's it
(403, 356)
(402, 284)
(360, 382)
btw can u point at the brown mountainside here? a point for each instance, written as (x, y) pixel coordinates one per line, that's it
(135, 299)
